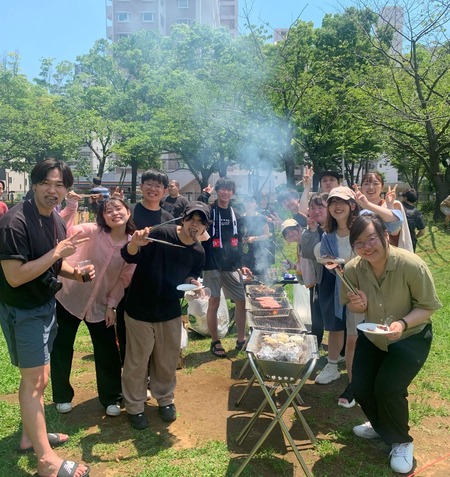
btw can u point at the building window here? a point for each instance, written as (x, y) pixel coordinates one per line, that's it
(123, 17)
(148, 17)
(183, 3)
(184, 21)
(122, 35)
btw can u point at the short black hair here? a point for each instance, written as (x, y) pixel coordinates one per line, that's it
(287, 194)
(41, 170)
(157, 176)
(410, 195)
(360, 224)
(318, 198)
(3, 183)
(225, 183)
(97, 181)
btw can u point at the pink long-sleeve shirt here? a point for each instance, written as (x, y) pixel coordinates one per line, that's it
(112, 274)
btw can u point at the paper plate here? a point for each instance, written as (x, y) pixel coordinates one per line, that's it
(371, 329)
(187, 287)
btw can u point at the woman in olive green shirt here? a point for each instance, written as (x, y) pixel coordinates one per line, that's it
(394, 283)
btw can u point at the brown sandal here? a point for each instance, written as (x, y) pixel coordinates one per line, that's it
(217, 349)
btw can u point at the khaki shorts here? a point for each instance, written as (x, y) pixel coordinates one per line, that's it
(231, 282)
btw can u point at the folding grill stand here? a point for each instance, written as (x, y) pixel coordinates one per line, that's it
(292, 392)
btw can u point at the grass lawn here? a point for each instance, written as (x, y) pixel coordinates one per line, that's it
(115, 452)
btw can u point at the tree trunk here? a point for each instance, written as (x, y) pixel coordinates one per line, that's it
(289, 167)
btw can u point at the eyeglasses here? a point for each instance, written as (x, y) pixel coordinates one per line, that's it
(153, 185)
(369, 243)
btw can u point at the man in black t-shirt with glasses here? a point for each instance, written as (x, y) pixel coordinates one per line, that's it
(223, 251)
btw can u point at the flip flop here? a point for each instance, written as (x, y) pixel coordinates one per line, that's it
(53, 438)
(68, 469)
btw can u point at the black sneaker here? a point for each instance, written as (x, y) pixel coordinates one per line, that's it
(168, 413)
(138, 421)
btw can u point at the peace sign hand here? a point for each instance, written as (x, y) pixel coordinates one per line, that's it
(391, 195)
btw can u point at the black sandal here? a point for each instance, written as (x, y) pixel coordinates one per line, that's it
(240, 345)
(217, 350)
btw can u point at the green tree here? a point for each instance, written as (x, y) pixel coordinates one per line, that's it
(409, 92)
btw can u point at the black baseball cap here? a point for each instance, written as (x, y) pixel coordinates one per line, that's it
(338, 175)
(197, 206)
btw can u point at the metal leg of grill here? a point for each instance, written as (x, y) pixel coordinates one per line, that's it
(299, 414)
(244, 433)
(245, 391)
(278, 414)
(243, 370)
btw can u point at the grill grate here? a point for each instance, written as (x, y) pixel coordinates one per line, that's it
(273, 322)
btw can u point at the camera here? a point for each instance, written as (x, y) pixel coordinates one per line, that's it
(51, 282)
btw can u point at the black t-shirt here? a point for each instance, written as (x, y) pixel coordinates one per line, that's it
(26, 235)
(174, 206)
(152, 294)
(415, 220)
(144, 217)
(226, 255)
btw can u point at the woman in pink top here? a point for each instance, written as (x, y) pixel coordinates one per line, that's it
(94, 303)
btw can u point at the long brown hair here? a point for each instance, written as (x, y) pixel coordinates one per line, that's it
(130, 227)
(331, 224)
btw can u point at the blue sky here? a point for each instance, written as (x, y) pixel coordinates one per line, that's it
(64, 29)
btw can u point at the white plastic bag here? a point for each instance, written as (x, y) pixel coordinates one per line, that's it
(197, 310)
(184, 337)
(301, 303)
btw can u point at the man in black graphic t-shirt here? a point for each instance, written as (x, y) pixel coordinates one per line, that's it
(223, 252)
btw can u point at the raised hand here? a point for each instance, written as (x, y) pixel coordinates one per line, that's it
(391, 195)
(67, 247)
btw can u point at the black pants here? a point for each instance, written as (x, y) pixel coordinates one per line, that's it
(106, 355)
(381, 379)
(121, 328)
(316, 315)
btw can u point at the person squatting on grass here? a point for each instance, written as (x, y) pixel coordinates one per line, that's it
(391, 282)
(93, 302)
(33, 248)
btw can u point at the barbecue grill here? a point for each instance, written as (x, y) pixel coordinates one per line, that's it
(295, 359)
(289, 321)
(265, 290)
(281, 306)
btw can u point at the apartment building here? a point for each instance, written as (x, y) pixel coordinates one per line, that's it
(127, 16)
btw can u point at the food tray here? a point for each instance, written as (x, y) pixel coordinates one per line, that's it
(290, 321)
(255, 304)
(282, 370)
(265, 290)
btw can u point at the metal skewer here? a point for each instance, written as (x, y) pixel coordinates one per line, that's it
(164, 223)
(151, 239)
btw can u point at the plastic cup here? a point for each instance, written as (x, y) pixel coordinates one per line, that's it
(84, 263)
(85, 273)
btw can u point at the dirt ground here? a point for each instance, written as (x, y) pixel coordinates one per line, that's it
(206, 394)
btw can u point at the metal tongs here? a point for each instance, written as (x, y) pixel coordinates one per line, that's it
(335, 263)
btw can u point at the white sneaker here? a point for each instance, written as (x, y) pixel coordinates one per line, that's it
(366, 431)
(113, 410)
(402, 458)
(328, 374)
(64, 407)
